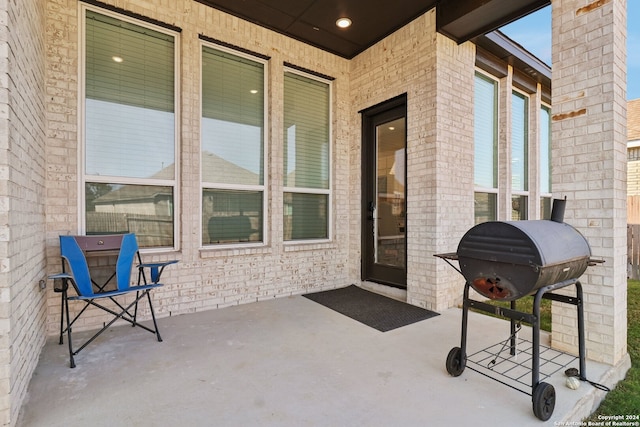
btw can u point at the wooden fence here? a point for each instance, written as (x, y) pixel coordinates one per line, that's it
(151, 230)
(633, 251)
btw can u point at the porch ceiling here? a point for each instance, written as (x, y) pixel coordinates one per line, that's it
(314, 21)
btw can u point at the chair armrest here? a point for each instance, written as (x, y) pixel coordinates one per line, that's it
(59, 276)
(60, 281)
(156, 269)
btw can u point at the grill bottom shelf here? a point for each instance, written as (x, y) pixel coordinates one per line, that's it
(497, 363)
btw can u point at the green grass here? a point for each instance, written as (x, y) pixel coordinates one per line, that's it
(625, 398)
(526, 306)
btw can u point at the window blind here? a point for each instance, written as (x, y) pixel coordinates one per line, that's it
(306, 123)
(232, 119)
(306, 158)
(129, 100)
(545, 150)
(519, 142)
(485, 132)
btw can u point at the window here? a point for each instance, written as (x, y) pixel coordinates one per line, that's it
(306, 157)
(545, 162)
(129, 132)
(519, 155)
(485, 148)
(232, 150)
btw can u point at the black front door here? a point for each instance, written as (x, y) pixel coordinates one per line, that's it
(384, 243)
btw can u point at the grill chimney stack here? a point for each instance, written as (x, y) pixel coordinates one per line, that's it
(557, 212)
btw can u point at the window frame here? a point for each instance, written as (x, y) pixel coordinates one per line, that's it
(305, 190)
(264, 188)
(496, 152)
(83, 8)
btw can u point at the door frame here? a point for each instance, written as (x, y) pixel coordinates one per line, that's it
(370, 271)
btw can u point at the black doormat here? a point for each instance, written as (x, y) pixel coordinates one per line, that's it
(374, 310)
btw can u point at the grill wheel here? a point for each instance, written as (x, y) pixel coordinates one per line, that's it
(455, 362)
(544, 401)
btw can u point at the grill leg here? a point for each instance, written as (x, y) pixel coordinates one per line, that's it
(513, 331)
(535, 358)
(465, 318)
(581, 344)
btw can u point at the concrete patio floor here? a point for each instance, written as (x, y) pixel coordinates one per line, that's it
(287, 362)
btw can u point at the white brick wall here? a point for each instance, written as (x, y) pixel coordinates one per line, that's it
(589, 163)
(437, 76)
(22, 194)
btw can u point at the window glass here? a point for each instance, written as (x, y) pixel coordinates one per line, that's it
(519, 207)
(306, 158)
(485, 207)
(545, 208)
(146, 210)
(129, 129)
(232, 216)
(485, 147)
(232, 153)
(232, 119)
(306, 117)
(129, 100)
(545, 150)
(305, 216)
(485, 132)
(519, 142)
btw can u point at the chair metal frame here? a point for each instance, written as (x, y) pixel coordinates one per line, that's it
(75, 270)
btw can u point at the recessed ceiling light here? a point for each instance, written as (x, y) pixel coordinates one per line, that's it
(253, 91)
(392, 128)
(343, 22)
(117, 59)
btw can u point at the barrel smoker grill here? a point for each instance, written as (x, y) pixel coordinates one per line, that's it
(506, 261)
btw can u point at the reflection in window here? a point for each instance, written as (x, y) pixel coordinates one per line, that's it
(305, 216)
(232, 147)
(146, 210)
(485, 207)
(129, 128)
(232, 216)
(519, 207)
(545, 207)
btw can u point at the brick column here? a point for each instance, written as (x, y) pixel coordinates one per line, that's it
(589, 164)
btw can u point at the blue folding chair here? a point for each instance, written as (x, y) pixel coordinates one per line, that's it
(75, 270)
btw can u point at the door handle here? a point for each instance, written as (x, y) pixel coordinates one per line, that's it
(371, 208)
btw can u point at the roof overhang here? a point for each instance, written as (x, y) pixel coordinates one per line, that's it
(314, 21)
(463, 20)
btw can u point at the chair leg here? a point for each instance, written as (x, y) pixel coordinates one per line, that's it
(153, 316)
(72, 363)
(62, 299)
(135, 309)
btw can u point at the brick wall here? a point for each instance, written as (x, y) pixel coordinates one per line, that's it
(22, 174)
(589, 161)
(437, 76)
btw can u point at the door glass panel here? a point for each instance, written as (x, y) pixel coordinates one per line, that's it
(389, 227)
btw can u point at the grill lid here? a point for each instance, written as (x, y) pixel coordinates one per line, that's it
(534, 242)
(512, 259)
